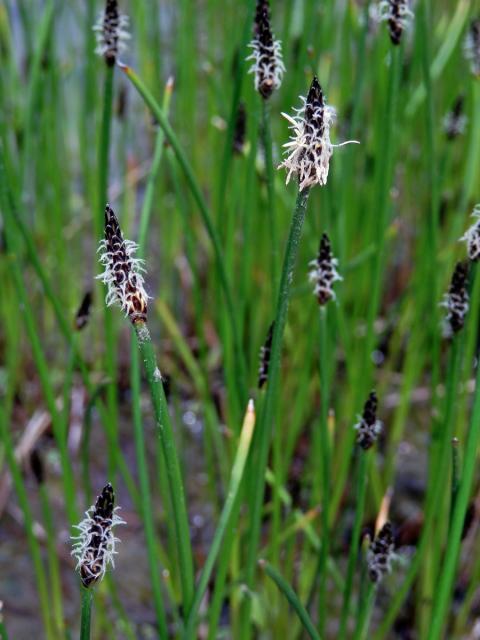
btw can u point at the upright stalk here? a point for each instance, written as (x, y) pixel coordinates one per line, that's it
(270, 175)
(362, 473)
(165, 432)
(266, 427)
(87, 598)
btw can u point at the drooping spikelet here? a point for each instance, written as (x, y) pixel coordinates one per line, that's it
(267, 66)
(324, 272)
(380, 553)
(111, 32)
(123, 273)
(83, 313)
(368, 426)
(265, 357)
(472, 236)
(456, 301)
(455, 120)
(309, 150)
(397, 14)
(95, 546)
(471, 46)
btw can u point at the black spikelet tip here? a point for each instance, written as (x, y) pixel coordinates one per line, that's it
(83, 314)
(240, 129)
(314, 107)
(36, 464)
(105, 503)
(369, 427)
(265, 352)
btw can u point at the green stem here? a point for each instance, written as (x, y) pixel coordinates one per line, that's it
(324, 452)
(444, 587)
(270, 175)
(355, 541)
(206, 218)
(366, 613)
(165, 432)
(145, 494)
(292, 598)
(226, 522)
(87, 597)
(266, 427)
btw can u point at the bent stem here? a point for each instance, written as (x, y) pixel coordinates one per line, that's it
(175, 483)
(265, 427)
(87, 598)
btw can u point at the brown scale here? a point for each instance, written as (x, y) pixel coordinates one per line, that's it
(91, 568)
(134, 303)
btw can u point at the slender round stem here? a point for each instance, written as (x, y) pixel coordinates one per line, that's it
(87, 598)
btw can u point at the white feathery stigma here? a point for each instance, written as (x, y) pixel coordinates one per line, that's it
(111, 31)
(310, 149)
(472, 236)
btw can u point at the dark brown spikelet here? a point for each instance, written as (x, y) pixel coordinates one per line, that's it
(369, 426)
(123, 272)
(472, 46)
(314, 108)
(455, 120)
(83, 314)
(36, 465)
(268, 64)
(323, 272)
(240, 129)
(456, 301)
(111, 32)
(379, 556)
(95, 546)
(397, 14)
(265, 358)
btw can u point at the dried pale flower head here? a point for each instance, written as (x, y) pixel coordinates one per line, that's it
(398, 15)
(472, 236)
(456, 301)
(309, 150)
(368, 427)
(455, 121)
(471, 46)
(267, 67)
(123, 273)
(380, 554)
(111, 32)
(324, 272)
(265, 352)
(94, 548)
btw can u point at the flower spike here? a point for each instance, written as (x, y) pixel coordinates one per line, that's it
(368, 426)
(324, 272)
(95, 546)
(267, 66)
(456, 301)
(111, 32)
(398, 15)
(265, 357)
(123, 273)
(380, 553)
(472, 236)
(455, 120)
(471, 47)
(309, 150)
